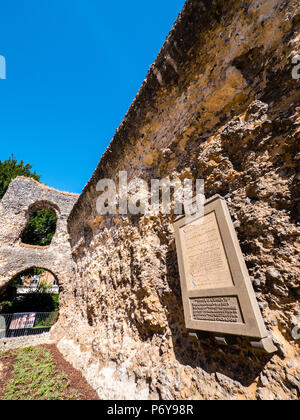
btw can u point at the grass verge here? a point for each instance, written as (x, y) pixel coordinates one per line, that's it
(31, 374)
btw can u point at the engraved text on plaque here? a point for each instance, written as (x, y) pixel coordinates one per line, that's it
(206, 265)
(216, 309)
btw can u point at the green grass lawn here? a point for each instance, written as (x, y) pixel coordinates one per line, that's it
(33, 375)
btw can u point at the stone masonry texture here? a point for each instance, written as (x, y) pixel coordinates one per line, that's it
(20, 342)
(23, 198)
(219, 104)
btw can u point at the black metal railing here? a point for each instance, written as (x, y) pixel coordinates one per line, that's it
(28, 323)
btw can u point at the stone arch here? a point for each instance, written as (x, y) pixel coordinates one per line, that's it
(23, 197)
(43, 204)
(28, 268)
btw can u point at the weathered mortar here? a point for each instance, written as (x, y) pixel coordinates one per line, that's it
(22, 198)
(219, 104)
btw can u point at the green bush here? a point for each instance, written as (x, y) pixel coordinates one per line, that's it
(38, 301)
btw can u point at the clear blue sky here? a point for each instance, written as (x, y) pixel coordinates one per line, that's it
(73, 69)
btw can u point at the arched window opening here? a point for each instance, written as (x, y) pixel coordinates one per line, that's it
(40, 228)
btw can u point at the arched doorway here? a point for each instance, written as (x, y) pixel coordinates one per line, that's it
(30, 303)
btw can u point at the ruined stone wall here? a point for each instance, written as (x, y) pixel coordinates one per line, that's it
(23, 197)
(220, 104)
(21, 342)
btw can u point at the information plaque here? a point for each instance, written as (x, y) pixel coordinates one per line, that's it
(217, 292)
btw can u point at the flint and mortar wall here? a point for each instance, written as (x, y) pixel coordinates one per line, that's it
(23, 197)
(220, 104)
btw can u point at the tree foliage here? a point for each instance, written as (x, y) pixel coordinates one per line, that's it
(10, 169)
(37, 301)
(40, 228)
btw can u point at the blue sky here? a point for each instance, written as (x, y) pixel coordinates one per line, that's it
(73, 69)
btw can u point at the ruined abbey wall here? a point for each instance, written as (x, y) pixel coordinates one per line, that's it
(220, 104)
(23, 197)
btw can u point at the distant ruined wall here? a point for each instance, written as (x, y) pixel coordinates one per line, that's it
(23, 197)
(26, 341)
(220, 104)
